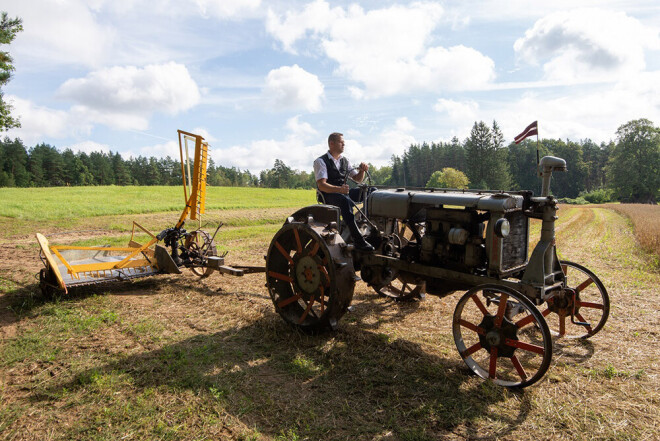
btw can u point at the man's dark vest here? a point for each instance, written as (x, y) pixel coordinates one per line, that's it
(335, 177)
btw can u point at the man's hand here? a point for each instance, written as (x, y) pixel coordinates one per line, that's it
(343, 189)
(363, 167)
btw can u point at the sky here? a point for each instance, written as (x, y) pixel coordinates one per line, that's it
(265, 80)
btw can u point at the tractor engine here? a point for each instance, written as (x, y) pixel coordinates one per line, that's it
(454, 239)
(475, 232)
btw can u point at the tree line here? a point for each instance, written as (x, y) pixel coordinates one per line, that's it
(626, 170)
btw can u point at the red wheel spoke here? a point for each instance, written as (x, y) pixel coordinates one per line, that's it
(315, 249)
(298, 244)
(492, 368)
(519, 368)
(288, 301)
(322, 299)
(471, 350)
(526, 321)
(309, 308)
(579, 317)
(591, 305)
(480, 305)
(524, 346)
(403, 288)
(472, 327)
(564, 269)
(584, 284)
(500, 310)
(284, 252)
(546, 312)
(562, 325)
(325, 273)
(279, 276)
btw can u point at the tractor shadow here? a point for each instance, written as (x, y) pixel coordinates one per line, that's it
(332, 386)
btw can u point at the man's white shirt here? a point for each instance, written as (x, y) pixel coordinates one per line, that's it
(321, 171)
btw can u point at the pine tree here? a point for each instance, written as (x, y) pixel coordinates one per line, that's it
(8, 30)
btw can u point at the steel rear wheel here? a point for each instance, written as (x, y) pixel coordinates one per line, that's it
(502, 336)
(403, 288)
(584, 298)
(309, 278)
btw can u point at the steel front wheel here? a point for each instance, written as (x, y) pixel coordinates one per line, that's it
(582, 307)
(502, 336)
(309, 279)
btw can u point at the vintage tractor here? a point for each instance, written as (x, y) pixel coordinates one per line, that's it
(437, 241)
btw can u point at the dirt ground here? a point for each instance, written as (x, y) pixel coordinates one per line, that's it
(176, 357)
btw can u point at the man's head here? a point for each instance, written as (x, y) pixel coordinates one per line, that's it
(336, 143)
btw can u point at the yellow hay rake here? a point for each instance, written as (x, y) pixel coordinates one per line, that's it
(67, 266)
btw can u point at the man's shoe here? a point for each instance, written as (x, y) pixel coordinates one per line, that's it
(364, 246)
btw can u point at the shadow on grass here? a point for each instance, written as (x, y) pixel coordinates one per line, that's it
(356, 383)
(351, 384)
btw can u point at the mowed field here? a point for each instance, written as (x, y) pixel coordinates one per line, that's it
(176, 357)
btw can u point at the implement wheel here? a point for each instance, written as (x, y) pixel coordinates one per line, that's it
(309, 277)
(200, 247)
(502, 336)
(584, 298)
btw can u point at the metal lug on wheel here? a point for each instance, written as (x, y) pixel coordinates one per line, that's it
(511, 351)
(310, 283)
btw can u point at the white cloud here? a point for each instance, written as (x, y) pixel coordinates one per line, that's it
(169, 148)
(208, 137)
(403, 124)
(124, 97)
(300, 128)
(457, 110)
(38, 122)
(295, 149)
(388, 51)
(298, 152)
(315, 16)
(587, 43)
(224, 9)
(167, 87)
(292, 87)
(61, 32)
(579, 113)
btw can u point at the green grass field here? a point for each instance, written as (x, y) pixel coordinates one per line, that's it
(79, 202)
(179, 358)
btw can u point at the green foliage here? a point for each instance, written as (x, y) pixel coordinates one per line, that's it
(448, 178)
(486, 157)
(574, 201)
(599, 196)
(8, 30)
(634, 165)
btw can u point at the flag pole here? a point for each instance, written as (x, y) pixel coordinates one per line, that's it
(537, 146)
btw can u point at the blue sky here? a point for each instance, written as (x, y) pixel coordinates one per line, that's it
(265, 80)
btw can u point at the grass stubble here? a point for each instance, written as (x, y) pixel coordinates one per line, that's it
(182, 358)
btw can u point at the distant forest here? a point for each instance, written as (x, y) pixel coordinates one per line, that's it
(627, 169)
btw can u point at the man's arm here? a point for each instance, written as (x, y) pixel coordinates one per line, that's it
(323, 185)
(360, 176)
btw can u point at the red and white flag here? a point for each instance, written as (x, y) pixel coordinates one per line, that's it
(530, 130)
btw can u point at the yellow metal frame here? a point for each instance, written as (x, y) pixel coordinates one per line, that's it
(194, 187)
(194, 190)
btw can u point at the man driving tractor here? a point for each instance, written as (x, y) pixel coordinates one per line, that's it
(331, 171)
